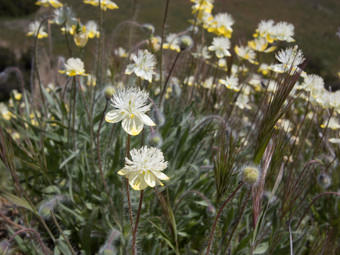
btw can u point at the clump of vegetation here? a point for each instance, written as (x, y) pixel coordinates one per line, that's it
(179, 143)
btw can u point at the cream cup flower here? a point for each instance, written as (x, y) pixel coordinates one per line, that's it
(130, 108)
(35, 31)
(289, 59)
(73, 67)
(104, 4)
(220, 46)
(143, 66)
(92, 29)
(231, 82)
(145, 167)
(47, 3)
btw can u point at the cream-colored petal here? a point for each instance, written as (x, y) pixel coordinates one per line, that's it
(160, 175)
(122, 171)
(146, 120)
(114, 116)
(138, 183)
(150, 179)
(133, 126)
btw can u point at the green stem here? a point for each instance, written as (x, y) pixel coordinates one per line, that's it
(127, 188)
(134, 235)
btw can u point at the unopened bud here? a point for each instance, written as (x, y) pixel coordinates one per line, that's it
(109, 91)
(324, 180)
(186, 42)
(250, 175)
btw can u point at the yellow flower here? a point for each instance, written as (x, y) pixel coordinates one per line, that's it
(17, 95)
(5, 113)
(47, 3)
(145, 168)
(73, 67)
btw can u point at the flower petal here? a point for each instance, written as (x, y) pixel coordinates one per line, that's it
(146, 120)
(160, 175)
(150, 179)
(132, 126)
(114, 116)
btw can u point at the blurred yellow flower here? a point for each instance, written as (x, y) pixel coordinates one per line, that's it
(104, 4)
(73, 67)
(5, 113)
(17, 95)
(47, 3)
(34, 29)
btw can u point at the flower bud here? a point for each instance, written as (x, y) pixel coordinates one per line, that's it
(324, 180)
(109, 91)
(186, 42)
(80, 36)
(250, 175)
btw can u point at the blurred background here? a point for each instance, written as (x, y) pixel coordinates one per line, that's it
(316, 25)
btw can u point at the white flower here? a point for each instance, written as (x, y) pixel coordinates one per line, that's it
(285, 125)
(91, 29)
(104, 4)
(33, 30)
(332, 123)
(63, 15)
(222, 25)
(261, 44)
(271, 85)
(202, 52)
(231, 82)
(255, 81)
(208, 83)
(290, 59)
(242, 101)
(264, 68)
(265, 29)
(4, 112)
(190, 81)
(246, 53)
(145, 168)
(121, 52)
(143, 66)
(47, 3)
(172, 42)
(313, 83)
(73, 67)
(130, 107)
(284, 31)
(221, 46)
(334, 140)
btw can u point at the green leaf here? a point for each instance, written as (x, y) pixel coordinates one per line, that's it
(261, 248)
(73, 155)
(21, 202)
(164, 236)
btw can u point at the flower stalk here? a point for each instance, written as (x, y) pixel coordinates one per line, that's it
(212, 232)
